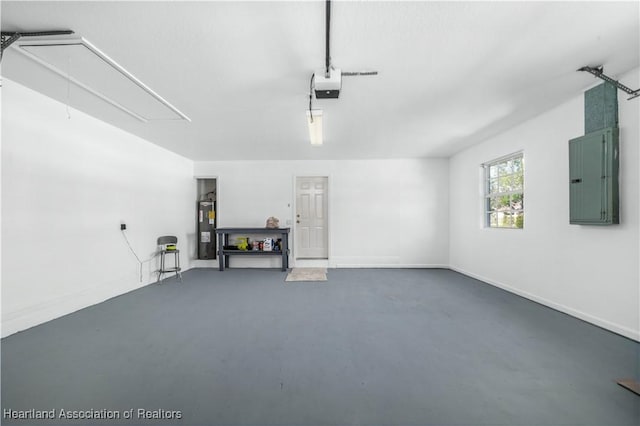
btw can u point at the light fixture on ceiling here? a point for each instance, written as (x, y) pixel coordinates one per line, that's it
(314, 120)
(78, 61)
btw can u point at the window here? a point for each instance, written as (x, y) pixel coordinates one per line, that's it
(504, 192)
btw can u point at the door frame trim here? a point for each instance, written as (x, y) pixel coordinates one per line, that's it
(293, 213)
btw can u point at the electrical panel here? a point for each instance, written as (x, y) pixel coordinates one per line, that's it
(593, 178)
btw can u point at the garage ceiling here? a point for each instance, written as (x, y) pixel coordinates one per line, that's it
(451, 74)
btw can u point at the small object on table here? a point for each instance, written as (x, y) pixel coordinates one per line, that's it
(243, 243)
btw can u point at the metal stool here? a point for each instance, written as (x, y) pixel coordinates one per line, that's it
(165, 242)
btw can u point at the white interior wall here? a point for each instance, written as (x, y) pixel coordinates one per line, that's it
(590, 272)
(66, 186)
(67, 183)
(382, 213)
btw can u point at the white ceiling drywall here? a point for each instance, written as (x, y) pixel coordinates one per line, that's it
(450, 73)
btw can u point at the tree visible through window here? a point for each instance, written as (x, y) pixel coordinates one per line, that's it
(504, 193)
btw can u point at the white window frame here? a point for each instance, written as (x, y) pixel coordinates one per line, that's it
(493, 190)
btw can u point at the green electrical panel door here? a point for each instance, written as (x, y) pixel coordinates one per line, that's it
(593, 178)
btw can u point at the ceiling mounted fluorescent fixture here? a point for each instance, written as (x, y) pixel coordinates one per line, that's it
(314, 120)
(86, 66)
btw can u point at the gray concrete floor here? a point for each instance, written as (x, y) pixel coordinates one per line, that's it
(367, 347)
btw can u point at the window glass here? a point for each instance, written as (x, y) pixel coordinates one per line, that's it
(504, 193)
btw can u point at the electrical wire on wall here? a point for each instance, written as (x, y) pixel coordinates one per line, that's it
(68, 86)
(311, 96)
(140, 262)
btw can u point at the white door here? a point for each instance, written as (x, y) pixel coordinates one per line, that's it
(311, 218)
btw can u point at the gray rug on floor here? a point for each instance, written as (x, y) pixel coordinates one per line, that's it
(307, 274)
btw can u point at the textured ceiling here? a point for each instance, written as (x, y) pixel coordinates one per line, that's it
(451, 74)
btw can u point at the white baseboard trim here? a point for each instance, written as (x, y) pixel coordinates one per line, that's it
(607, 325)
(389, 266)
(208, 263)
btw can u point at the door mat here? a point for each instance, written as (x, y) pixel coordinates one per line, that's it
(307, 274)
(632, 385)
